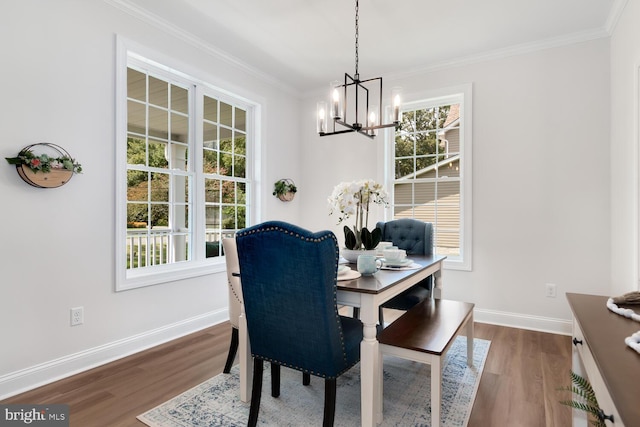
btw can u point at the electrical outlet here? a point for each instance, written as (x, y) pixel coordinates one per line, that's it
(77, 316)
(550, 290)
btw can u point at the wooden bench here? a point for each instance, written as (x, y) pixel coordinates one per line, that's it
(424, 334)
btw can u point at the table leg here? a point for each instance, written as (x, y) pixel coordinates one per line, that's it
(436, 388)
(470, 340)
(244, 353)
(437, 284)
(380, 395)
(369, 367)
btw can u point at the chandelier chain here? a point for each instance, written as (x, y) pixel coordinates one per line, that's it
(357, 76)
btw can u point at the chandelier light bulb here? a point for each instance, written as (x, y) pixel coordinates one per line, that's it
(321, 120)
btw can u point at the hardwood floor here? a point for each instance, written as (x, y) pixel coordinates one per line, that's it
(518, 386)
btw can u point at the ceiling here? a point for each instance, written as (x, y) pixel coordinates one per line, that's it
(304, 44)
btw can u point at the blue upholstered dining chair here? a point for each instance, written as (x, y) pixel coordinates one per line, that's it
(289, 287)
(415, 237)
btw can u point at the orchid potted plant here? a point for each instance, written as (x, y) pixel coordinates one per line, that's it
(354, 199)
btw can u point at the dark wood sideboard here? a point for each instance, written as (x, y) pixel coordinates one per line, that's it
(601, 355)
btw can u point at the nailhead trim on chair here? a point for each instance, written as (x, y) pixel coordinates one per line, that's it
(327, 235)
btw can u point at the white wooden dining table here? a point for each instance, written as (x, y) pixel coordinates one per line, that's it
(366, 293)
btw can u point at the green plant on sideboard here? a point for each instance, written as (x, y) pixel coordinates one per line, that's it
(585, 399)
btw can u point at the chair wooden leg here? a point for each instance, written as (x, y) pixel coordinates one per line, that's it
(306, 378)
(233, 348)
(256, 393)
(356, 312)
(381, 316)
(329, 402)
(275, 380)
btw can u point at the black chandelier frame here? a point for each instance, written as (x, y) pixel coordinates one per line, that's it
(359, 85)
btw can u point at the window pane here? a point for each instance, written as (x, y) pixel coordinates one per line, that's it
(226, 142)
(402, 212)
(241, 120)
(212, 190)
(137, 186)
(239, 166)
(240, 144)
(226, 114)
(212, 216)
(228, 192)
(403, 194)
(425, 193)
(242, 213)
(137, 215)
(426, 143)
(180, 156)
(136, 151)
(447, 243)
(179, 99)
(181, 215)
(158, 92)
(158, 123)
(450, 169)
(136, 117)
(210, 161)
(159, 187)
(210, 137)
(136, 85)
(157, 156)
(229, 218)
(210, 109)
(404, 167)
(179, 128)
(160, 215)
(242, 194)
(405, 146)
(407, 123)
(226, 165)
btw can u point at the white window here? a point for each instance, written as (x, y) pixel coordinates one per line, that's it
(431, 164)
(183, 175)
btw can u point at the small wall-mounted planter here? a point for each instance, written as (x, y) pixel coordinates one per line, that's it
(285, 189)
(45, 165)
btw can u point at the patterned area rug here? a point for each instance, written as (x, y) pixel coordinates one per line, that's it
(216, 402)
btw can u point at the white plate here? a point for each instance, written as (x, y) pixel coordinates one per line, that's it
(403, 263)
(343, 269)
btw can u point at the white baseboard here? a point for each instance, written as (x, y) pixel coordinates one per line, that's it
(523, 321)
(35, 376)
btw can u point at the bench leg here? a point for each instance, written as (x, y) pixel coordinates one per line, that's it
(380, 396)
(469, 327)
(436, 388)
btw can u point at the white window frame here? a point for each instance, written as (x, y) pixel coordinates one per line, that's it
(457, 94)
(129, 53)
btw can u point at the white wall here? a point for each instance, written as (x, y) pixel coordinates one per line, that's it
(625, 93)
(541, 179)
(57, 84)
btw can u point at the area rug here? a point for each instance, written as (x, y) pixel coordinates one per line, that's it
(406, 390)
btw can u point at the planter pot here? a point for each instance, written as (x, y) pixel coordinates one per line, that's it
(351, 255)
(52, 179)
(287, 197)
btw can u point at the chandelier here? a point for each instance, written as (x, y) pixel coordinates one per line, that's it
(367, 120)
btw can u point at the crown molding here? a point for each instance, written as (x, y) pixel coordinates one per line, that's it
(614, 15)
(509, 51)
(166, 26)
